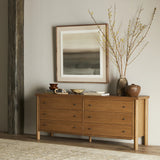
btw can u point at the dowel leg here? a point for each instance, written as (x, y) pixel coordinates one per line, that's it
(90, 139)
(136, 126)
(136, 143)
(52, 134)
(38, 135)
(146, 123)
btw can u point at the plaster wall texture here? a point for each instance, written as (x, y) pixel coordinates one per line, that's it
(41, 18)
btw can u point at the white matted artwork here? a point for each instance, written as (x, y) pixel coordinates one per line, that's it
(81, 54)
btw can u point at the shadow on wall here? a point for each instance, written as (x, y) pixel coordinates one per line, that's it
(30, 111)
(54, 52)
(112, 86)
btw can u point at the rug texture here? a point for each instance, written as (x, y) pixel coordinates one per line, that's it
(22, 150)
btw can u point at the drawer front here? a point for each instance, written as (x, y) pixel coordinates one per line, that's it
(61, 126)
(61, 102)
(109, 117)
(102, 104)
(113, 131)
(66, 115)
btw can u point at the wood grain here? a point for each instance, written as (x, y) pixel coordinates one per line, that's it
(136, 126)
(105, 105)
(111, 116)
(108, 117)
(61, 102)
(51, 114)
(146, 123)
(104, 130)
(15, 66)
(61, 126)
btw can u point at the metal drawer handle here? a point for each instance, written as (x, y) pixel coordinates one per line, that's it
(44, 125)
(89, 116)
(74, 115)
(89, 105)
(89, 128)
(44, 102)
(73, 127)
(123, 119)
(44, 114)
(123, 106)
(74, 104)
(123, 131)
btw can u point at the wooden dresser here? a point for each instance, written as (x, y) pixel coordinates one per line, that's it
(98, 116)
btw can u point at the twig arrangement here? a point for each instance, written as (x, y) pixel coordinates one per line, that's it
(126, 48)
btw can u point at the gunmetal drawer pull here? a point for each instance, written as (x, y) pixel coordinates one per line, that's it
(123, 131)
(74, 115)
(44, 125)
(74, 104)
(44, 102)
(89, 105)
(44, 113)
(89, 116)
(89, 128)
(123, 106)
(123, 119)
(73, 127)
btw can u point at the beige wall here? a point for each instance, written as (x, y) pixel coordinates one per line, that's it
(3, 64)
(41, 16)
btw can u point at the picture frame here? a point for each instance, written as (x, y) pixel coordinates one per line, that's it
(82, 54)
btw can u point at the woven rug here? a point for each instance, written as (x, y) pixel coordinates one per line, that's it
(22, 150)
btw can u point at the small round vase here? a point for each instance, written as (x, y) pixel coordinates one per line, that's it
(133, 90)
(121, 86)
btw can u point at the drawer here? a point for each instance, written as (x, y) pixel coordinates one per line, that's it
(61, 126)
(109, 117)
(103, 104)
(66, 115)
(61, 102)
(111, 131)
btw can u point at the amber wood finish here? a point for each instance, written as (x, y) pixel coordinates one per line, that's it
(146, 123)
(136, 126)
(38, 120)
(90, 139)
(106, 105)
(52, 134)
(61, 115)
(61, 126)
(60, 102)
(111, 116)
(110, 131)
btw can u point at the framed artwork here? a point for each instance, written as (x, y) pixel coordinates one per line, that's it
(82, 55)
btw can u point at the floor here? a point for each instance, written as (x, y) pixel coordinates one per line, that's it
(116, 146)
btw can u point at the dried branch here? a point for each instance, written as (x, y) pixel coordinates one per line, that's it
(122, 50)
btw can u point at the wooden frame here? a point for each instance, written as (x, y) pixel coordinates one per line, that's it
(82, 55)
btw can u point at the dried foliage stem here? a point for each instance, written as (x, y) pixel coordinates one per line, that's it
(125, 49)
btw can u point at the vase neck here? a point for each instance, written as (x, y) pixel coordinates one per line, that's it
(122, 76)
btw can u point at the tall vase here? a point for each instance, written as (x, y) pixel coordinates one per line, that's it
(121, 86)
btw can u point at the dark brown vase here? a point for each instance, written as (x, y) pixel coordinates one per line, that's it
(133, 90)
(53, 86)
(121, 86)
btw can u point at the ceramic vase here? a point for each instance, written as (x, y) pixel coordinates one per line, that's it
(133, 90)
(121, 86)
